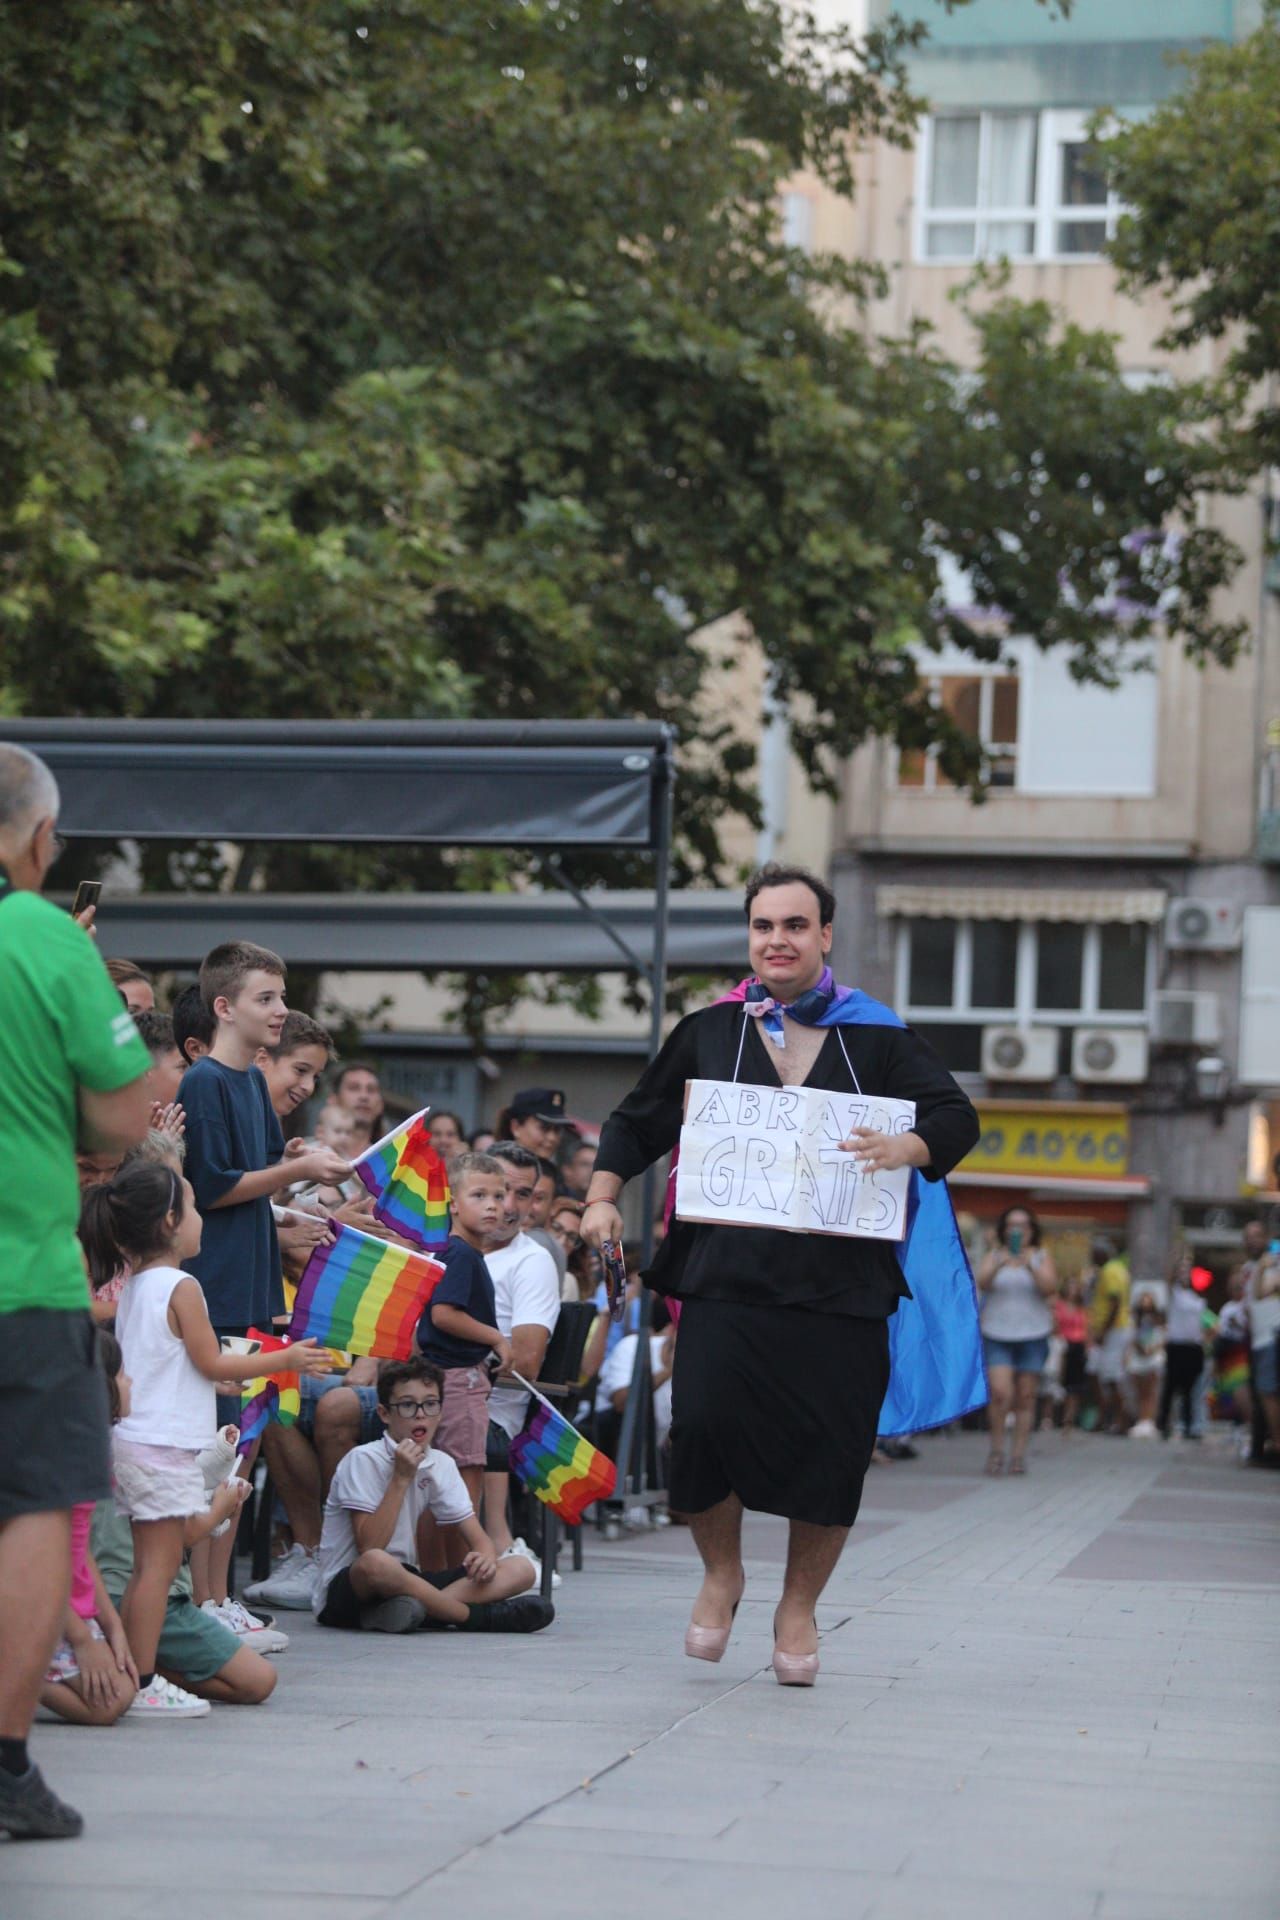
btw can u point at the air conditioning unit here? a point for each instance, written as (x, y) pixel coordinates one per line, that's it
(1202, 926)
(1115, 1055)
(1020, 1053)
(1186, 1019)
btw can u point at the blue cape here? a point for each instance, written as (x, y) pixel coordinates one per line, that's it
(937, 1371)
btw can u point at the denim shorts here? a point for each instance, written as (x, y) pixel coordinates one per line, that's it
(1024, 1356)
(313, 1387)
(1266, 1372)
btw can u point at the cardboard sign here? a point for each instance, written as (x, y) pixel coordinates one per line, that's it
(771, 1157)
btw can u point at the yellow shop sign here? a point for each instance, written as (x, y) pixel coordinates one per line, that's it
(1063, 1137)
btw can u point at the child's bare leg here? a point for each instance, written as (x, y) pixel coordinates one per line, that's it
(246, 1680)
(513, 1576)
(157, 1555)
(64, 1697)
(377, 1575)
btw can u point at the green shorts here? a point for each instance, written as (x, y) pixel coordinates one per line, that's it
(192, 1643)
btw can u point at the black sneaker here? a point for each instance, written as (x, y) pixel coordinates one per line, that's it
(401, 1614)
(522, 1613)
(31, 1810)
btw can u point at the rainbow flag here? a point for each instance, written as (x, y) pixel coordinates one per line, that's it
(364, 1295)
(274, 1396)
(558, 1466)
(407, 1179)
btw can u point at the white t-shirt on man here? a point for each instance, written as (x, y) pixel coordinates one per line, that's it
(358, 1485)
(617, 1371)
(526, 1293)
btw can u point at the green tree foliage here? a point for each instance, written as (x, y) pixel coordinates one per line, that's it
(1202, 175)
(424, 357)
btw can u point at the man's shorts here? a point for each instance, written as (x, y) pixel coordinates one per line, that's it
(464, 1424)
(54, 1420)
(1266, 1367)
(497, 1451)
(313, 1387)
(1106, 1360)
(343, 1606)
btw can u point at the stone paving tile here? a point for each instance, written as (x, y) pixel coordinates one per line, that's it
(991, 1734)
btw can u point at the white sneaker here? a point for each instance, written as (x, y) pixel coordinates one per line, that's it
(162, 1700)
(518, 1547)
(291, 1582)
(250, 1631)
(1143, 1430)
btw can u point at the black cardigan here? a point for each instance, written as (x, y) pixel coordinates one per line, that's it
(759, 1265)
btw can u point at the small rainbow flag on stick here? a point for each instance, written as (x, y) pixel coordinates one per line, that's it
(274, 1396)
(558, 1466)
(409, 1184)
(361, 1294)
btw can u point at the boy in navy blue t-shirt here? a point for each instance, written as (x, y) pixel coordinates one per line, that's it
(235, 1161)
(459, 1330)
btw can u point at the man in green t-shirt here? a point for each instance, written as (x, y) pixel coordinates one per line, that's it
(71, 1063)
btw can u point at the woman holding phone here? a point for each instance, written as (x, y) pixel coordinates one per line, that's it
(1016, 1282)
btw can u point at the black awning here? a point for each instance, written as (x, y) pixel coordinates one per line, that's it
(540, 784)
(457, 932)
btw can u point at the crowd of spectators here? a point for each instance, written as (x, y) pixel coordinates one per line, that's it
(181, 1163)
(1096, 1350)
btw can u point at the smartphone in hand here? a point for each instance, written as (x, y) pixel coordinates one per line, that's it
(88, 894)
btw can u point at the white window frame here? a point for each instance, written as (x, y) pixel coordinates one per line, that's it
(986, 673)
(1057, 127)
(1024, 1012)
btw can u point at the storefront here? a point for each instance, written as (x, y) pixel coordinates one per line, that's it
(1069, 1161)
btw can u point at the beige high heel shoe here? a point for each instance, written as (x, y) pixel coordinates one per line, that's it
(795, 1669)
(709, 1643)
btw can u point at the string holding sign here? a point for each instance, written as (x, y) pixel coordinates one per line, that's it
(771, 1157)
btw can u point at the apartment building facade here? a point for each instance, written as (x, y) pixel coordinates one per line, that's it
(1095, 948)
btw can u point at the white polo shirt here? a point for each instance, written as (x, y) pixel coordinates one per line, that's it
(526, 1293)
(358, 1485)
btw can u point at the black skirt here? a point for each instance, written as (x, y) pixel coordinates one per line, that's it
(777, 1405)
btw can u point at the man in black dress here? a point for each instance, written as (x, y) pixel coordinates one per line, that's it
(782, 1359)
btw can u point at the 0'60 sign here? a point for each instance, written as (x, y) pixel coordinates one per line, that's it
(1046, 1142)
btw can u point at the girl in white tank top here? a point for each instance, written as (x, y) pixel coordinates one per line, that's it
(146, 1219)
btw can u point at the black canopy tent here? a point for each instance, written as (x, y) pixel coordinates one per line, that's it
(547, 785)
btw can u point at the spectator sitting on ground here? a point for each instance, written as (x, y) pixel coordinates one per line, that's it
(458, 1331)
(193, 1025)
(527, 1297)
(446, 1132)
(91, 1678)
(535, 1119)
(133, 985)
(369, 1553)
(197, 1658)
(236, 1162)
(576, 1169)
(359, 1090)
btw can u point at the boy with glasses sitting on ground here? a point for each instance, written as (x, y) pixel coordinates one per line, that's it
(369, 1556)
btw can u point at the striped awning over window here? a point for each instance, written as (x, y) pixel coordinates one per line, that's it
(1086, 905)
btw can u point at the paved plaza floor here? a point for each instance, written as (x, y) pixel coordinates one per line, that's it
(1054, 1697)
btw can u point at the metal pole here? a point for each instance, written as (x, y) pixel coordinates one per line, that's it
(637, 1416)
